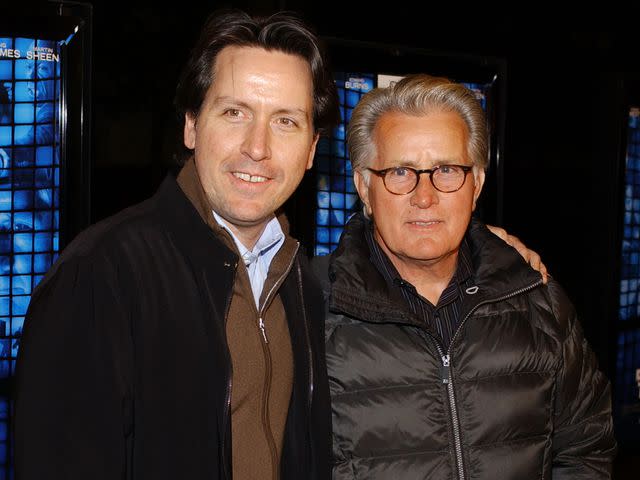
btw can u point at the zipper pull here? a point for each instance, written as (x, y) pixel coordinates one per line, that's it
(264, 334)
(444, 371)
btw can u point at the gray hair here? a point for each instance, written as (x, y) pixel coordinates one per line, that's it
(416, 95)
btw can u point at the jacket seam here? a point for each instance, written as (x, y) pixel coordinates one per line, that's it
(359, 301)
(424, 384)
(486, 377)
(394, 455)
(509, 442)
(389, 387)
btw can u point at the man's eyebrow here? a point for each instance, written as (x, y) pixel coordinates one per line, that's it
(293, 111)
(227, 100)
(405, 162)
(446, 161)
(231, 101)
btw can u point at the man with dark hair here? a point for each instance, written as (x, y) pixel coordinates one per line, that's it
(182, 338)
(447, 356)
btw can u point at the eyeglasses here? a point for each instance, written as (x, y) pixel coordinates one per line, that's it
(404, 180)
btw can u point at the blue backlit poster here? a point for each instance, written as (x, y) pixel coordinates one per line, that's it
(29, 178)
(45, 71)
(29, 192)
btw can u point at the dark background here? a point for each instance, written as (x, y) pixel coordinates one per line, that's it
(569, 81)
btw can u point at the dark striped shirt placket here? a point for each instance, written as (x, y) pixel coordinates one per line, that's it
(443, 318)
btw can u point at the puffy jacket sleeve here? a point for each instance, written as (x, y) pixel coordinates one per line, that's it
(72, 407)
(583, 441)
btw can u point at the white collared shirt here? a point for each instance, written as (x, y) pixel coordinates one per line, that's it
(259, 259)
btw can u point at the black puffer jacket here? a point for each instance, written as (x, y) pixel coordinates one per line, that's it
(517, 396)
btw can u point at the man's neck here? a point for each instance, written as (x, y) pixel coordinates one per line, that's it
(431, 281)
(247, 235)
(429, 277)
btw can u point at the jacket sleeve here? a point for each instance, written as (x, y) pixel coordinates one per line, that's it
(72, 407)
(583, 441)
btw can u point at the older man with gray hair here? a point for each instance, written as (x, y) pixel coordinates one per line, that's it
(447, 355)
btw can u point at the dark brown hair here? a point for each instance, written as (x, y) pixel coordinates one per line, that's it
(282, 32)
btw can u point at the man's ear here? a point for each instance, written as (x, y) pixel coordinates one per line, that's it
(189, 131)
(312, 152)
(478, 180)
(362, 186)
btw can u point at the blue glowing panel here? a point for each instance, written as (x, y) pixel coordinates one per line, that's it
(628, 368)
(480, 91)
(630, 271)
(627, 385)
(29, 96)
(336, 198)
(29, 183)
(29, 179)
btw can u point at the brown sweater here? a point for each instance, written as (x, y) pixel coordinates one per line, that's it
(262, 371)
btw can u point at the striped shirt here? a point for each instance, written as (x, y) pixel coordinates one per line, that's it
(442, 319)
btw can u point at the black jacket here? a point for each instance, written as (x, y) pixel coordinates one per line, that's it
(517, 396)
(124, 371)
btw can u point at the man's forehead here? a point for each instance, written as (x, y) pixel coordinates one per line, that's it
(247, 74)
(249, 61)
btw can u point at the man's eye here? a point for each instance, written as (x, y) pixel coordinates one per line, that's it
(401, 172)
(232, 112)
(287, 122)
(447, 169)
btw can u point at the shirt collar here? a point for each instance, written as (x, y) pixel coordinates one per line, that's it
(271, 236)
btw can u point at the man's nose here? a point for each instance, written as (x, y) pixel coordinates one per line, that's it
(425, 194)
(257, 141)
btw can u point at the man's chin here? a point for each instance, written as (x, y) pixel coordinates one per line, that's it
(426, 253)
(249, 219)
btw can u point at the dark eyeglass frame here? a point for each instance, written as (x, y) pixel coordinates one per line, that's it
(383, 174)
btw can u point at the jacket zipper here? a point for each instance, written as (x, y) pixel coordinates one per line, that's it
(265, 411)
(225, 420)
(307, 336)
(261, 327)
(447, 374)
(268, 374)
(448, 380)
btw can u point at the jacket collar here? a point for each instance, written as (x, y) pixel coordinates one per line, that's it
(358, 288)
(189, 181)
(188, 228)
